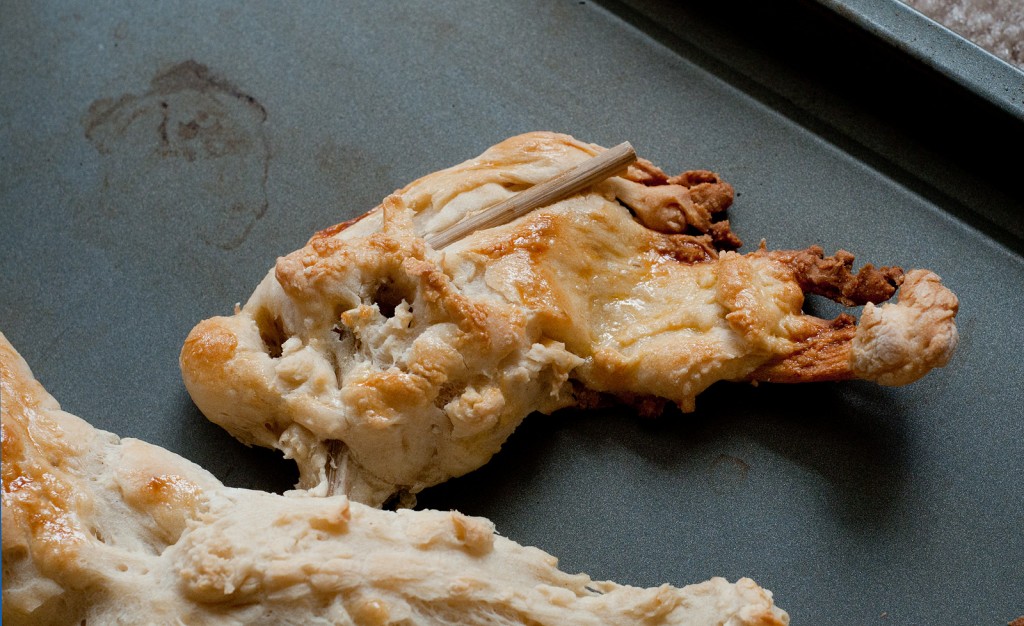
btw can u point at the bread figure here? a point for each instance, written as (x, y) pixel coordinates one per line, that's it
(384, 366)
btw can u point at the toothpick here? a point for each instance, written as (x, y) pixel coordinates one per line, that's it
(573, 180)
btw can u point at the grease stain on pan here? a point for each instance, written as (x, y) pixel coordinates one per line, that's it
(187, 158)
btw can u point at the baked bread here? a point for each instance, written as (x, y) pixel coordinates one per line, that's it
(101, 530)
(383, 366)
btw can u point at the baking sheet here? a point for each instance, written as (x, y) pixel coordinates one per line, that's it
(155, 161)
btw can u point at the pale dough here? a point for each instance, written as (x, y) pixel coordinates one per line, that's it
(102, 530)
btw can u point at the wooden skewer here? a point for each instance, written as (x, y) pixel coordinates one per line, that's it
(573, 180)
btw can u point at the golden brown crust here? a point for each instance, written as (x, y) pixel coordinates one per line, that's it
(690, 203)
(822, 357)
(833, 276)
(40, 507)
(80, 512)
(401, 366)
(331, 231)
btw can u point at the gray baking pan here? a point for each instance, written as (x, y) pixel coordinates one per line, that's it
(156, 158)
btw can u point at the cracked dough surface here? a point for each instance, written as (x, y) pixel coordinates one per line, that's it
(383, 366)
(102, 530)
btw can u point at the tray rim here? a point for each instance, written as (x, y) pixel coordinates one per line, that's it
(943, 50)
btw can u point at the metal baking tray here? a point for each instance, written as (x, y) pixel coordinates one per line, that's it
(156, 159)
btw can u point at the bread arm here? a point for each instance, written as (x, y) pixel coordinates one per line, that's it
(894, 344)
